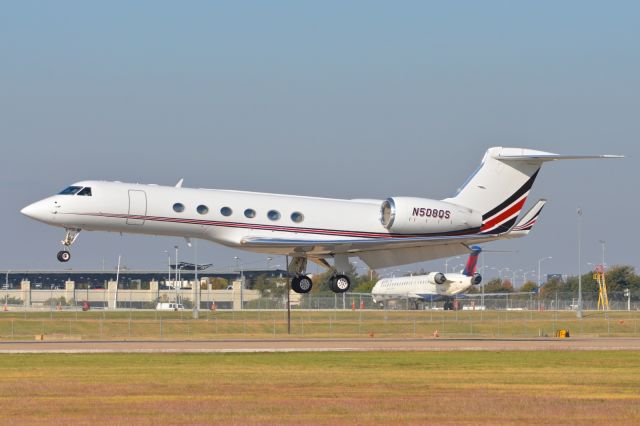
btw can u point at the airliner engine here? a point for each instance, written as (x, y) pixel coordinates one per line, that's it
(436, 278)
(476, 279)
(407, 215)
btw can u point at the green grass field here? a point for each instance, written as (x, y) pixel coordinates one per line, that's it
(109, 325)
(323, 388)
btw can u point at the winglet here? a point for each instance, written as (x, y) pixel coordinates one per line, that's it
(179, 184)
(525, 225)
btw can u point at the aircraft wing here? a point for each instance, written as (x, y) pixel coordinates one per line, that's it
(376, 253)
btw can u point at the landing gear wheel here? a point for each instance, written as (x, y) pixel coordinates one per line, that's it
(301, 284)
(304, 284)
(340, 283)
(64, 256)
(295, 284)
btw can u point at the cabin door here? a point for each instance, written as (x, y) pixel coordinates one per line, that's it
(137, 207)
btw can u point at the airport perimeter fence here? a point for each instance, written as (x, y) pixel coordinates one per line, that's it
(99, 299)
(275, 324)
(313, 316)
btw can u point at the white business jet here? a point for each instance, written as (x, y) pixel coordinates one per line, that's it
(383, 233)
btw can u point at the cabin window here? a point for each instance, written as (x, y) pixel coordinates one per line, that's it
(178, 207)
(250, 213)
(70, 190)
(202, 209)
(86, 191)
(226, 211)
(297, 217)
(273, 215)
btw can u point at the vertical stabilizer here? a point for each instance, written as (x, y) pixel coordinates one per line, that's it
(472, 262)
(500, 186)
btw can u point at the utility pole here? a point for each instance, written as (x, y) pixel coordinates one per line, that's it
(579, 310)
(196, 305)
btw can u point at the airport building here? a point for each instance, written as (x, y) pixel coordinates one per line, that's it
(132, 289)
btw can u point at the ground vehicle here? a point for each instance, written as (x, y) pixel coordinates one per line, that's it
(169, 307)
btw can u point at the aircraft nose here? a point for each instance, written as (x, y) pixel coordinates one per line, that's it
(37, 211)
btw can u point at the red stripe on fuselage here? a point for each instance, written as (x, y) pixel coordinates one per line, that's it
(332, 232)
(504, 215)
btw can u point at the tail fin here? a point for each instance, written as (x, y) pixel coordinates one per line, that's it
(470, 269)
(500, 186)
(524, 226)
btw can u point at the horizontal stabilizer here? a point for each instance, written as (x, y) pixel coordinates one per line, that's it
(530, 218)
(547, 156)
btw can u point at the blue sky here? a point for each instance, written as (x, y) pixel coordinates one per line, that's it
(340, 99)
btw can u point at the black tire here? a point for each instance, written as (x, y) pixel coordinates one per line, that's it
(340, 284)
(305, 284)
(295, 284)
(64, 256)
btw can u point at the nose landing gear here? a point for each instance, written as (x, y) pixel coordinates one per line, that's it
(69, 238)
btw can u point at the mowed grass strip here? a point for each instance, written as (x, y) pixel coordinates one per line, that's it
(323, 388)
(315, 324)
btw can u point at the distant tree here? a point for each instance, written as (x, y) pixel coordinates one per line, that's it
(218, 283)
(529, 286)
(270, 287)
(498, 286)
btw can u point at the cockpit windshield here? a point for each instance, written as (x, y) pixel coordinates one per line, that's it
(70, 190)
(86, 191)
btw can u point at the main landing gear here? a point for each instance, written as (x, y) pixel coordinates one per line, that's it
(69, 238)
(301, 283)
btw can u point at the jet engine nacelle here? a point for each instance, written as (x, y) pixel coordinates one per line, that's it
(436, 278)
(476, 279)
(407, 215)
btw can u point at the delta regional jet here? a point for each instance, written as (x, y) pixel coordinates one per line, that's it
(383, 233)
(431, 287)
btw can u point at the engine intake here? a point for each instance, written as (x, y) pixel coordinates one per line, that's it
(437, 278)
(407, 215)
(476, 279)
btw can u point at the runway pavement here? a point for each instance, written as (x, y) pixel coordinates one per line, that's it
(320, 345)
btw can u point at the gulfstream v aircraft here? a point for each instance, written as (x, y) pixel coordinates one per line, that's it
(395, 231)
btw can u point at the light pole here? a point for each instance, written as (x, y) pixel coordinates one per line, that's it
(176, 274)
(602, 243)
(539, 263)
(168, 266)
(239, 266)
(6, 288)
(458, 265)
(196, 305)
(524, 276)
(446, 263)
(579, 310)
(500, 272)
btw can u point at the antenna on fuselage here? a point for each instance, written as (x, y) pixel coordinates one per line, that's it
(179, 184)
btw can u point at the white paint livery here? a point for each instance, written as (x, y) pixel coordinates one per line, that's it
(399, 230)
(420, 287)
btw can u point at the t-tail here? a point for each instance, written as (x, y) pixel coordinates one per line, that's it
(472, 262)
(500, 186)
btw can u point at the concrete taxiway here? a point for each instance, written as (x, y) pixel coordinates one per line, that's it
(320, 345)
